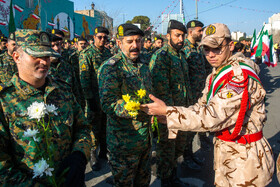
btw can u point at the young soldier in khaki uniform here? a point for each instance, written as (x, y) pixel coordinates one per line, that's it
(233, 106)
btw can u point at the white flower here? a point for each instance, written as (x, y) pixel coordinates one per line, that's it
(51, 109)
(40, 167)
(36, 110)
(48, 171)
(30, 133)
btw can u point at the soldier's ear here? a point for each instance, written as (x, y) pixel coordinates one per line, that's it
(16, 56)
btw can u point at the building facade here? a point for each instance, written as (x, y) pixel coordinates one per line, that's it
(49, 14)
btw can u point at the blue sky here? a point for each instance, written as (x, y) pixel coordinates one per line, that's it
(239, 15)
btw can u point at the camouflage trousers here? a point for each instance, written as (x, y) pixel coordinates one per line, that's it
(131, 170)
(168, 151)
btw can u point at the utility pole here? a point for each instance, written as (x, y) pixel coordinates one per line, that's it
(196, 10)
(123, 17)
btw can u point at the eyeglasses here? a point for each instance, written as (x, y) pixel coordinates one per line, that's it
(217, 51)
(104, 37)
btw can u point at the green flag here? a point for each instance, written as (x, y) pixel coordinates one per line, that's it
(12, 26)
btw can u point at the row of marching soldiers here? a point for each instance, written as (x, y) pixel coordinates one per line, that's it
(87, 87)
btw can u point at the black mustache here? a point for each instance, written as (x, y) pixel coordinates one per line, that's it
(134, 50)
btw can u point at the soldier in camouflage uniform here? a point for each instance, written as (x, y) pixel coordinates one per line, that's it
(90, 60)
(7, 65)
(146, 49)
(233, 107)
(170, 74)
(70, 132)
(61, 69)
(67, 50)
(196, 61)
(3, 42)
(80, 44)
(158, 43)
(128, 138)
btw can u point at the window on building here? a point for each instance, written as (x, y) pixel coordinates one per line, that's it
(29, 3)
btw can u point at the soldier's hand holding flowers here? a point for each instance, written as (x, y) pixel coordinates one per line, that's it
(157, 108)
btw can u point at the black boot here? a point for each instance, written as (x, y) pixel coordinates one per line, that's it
(175, 181)
(165, 182)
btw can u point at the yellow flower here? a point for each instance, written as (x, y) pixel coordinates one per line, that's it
(126, 98)
(132, 105)
(133, 113)
(141, 93)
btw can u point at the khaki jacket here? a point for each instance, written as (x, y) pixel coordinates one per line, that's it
(234, 164)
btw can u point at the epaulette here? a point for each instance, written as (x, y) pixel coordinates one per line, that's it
(112, 61)
(163, 52)
(4, 86)
(86, 49)
(61, 81)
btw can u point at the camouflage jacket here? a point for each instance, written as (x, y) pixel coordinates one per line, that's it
(90, 60)
(170, 76)
(119, 76)
(146, 52)
(61, 69)
(197, 72)
(74, 61)
(7, 67)
(66, 53)
(70, 129)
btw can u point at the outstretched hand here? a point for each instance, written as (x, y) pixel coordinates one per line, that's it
(158, 107)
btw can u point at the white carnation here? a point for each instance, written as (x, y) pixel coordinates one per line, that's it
(51, 109)
(39, 168)
(30, 133)
(36, 110)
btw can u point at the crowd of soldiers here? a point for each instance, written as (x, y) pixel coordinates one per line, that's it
(86, 80)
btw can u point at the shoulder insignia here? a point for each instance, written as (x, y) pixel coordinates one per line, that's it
(114, 59)
(111, 61)
(84, 68)
(163, 52)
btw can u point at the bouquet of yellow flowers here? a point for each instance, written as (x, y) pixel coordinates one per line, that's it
(133, 106)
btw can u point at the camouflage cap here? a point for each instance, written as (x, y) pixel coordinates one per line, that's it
(214, 34)
(35, 43)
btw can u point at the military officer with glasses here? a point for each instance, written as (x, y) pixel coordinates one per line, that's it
(90, 60)
(233, 107)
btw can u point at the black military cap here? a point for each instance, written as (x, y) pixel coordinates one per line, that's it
(112, 42)
(129, 29)
(57, 31)
(81, 39)
(146, 39)
(174, 24)
(55, 38)
(3, 39)
(12, 36)
(101, 30)
(67, 41)
(194, 23)
(158, 38)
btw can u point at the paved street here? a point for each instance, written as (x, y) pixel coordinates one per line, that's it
(271, 80)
